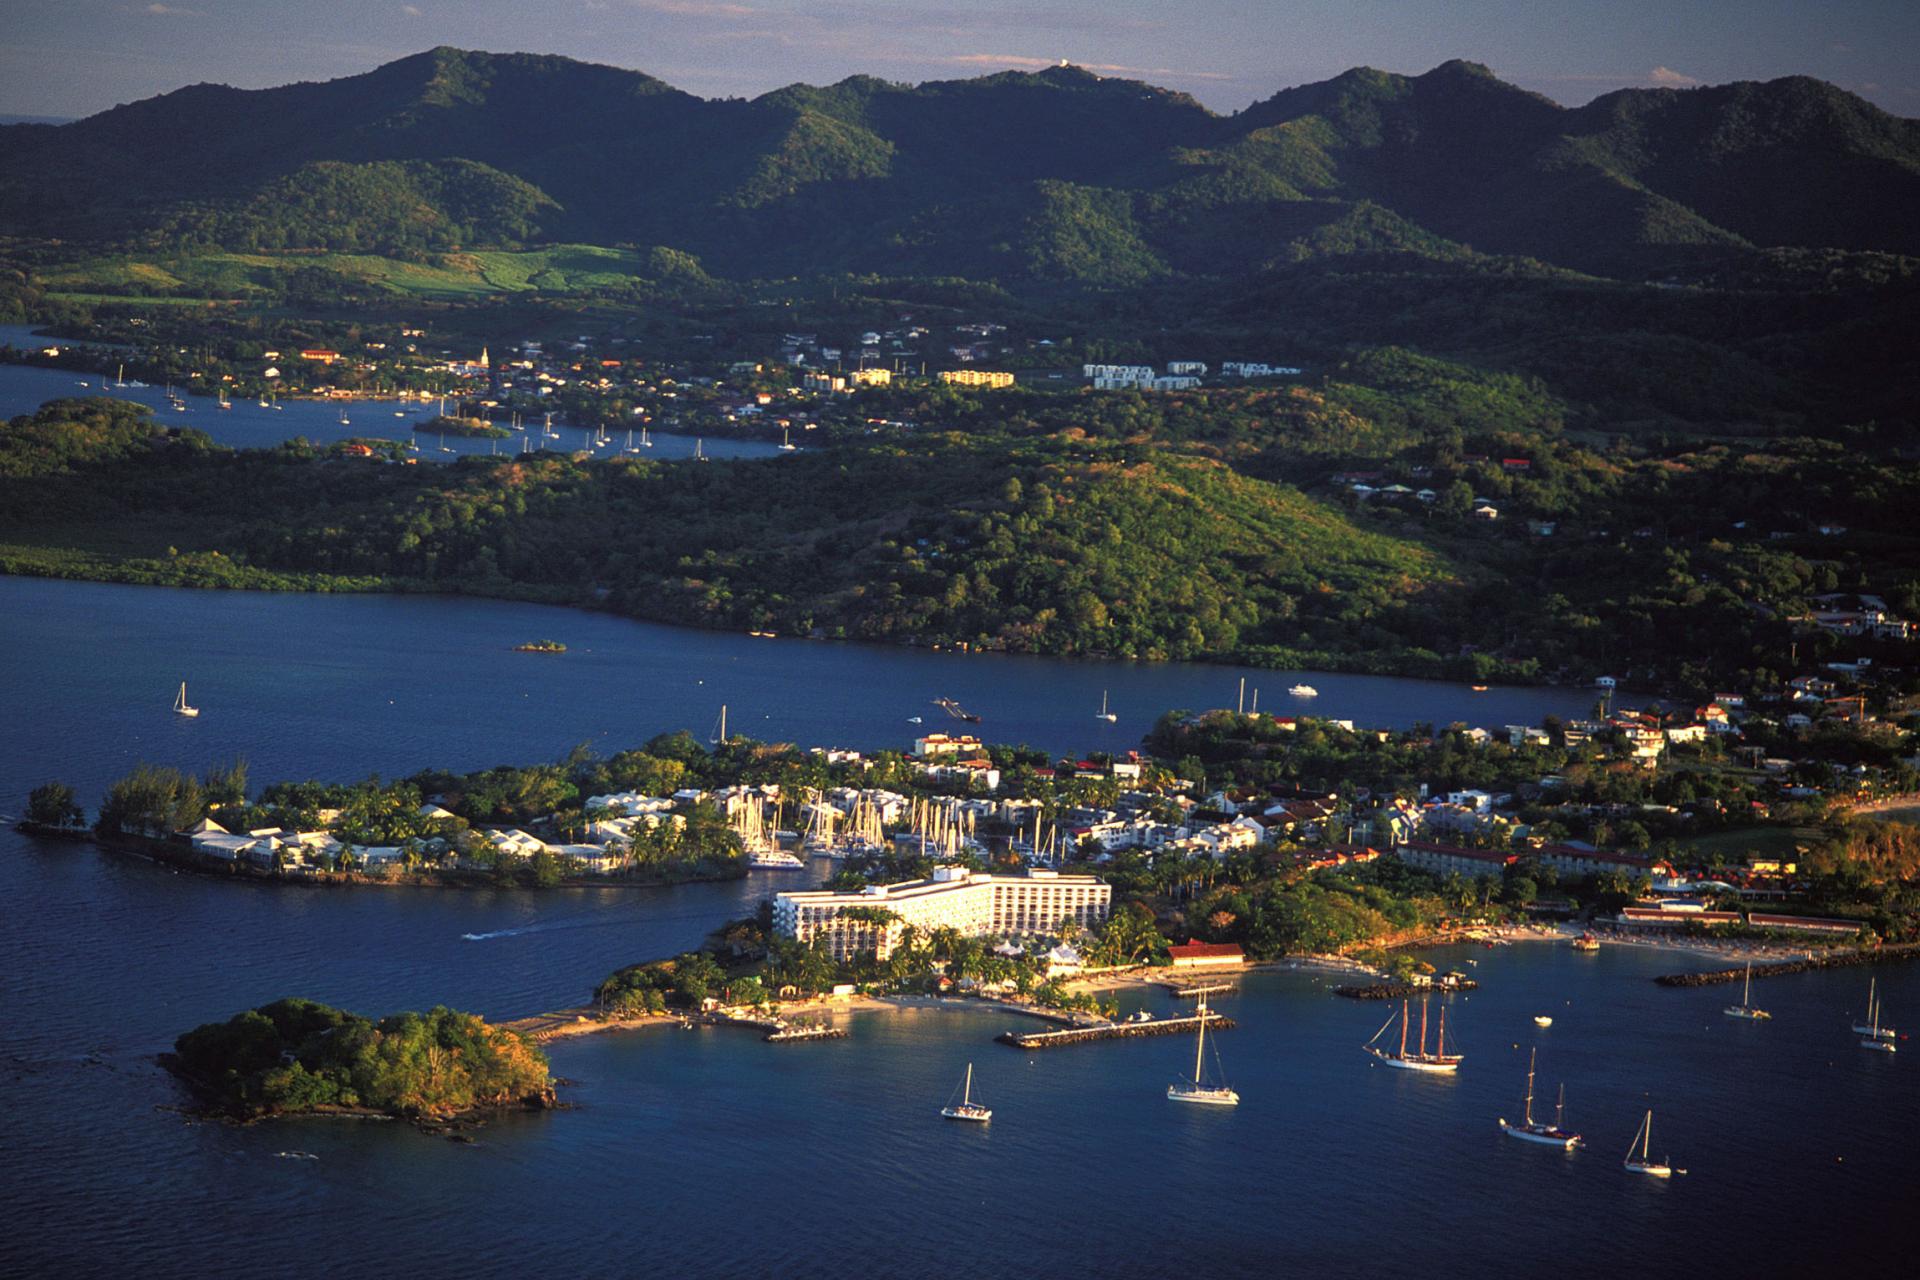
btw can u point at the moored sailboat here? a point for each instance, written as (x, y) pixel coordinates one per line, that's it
(1197, 1090)
(1871, 1027)
(1439, 1061)
(180, 706)
(1644, 1161)
(1530, 1130)
(1879, 1039)
(1103, 713)
(967, 1109)
(1745, 1008)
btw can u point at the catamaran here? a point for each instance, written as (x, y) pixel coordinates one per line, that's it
(1197, 1090)
(180, 706)
(967, 1108)
(1745, 1008)
(1420, 1060)
(1871, 1027)
(1531, 1130)
(1878, 1039)
(1644, 1162)
(1103, 713)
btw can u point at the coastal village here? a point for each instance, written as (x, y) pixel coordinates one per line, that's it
(1697, 820)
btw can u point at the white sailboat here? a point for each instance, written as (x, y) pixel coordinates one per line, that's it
(444, 446)
(631, 447)
(1644, 1161)
(699, 449)
(180, 706)
(646, 441)
(720, 730)
(1103, 713)
(1439, 1061)
(1875, 1039)
(1745, 1008)
(1530, 1130)
(786, 441)
(967, 1109)
(1197, 1090)
(1872, 1027)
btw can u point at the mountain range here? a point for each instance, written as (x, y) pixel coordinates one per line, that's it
(1059, 177)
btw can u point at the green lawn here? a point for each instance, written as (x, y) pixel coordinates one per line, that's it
(1773, 842)
(555, 269)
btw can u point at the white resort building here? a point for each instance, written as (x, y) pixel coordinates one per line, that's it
(974, 904)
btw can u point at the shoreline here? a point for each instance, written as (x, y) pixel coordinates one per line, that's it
(162, 853)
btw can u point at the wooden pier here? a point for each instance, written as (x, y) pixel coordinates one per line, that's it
(1113, 1031)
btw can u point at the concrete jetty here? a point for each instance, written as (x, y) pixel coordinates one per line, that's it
(1113, 1031)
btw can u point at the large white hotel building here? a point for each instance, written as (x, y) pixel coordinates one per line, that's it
(973, 904)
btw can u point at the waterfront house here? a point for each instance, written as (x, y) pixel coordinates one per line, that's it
(1206, 955)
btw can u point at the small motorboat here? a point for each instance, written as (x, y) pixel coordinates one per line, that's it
(1542, 1020)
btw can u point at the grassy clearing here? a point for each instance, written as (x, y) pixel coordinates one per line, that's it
(456, 276)
(1767, 842)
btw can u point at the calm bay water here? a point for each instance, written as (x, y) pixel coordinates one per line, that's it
(342, 686)
(249, 426)
(707, 1153)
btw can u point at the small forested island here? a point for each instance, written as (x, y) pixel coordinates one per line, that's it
(540, 646)
(448, 424)
(298, 1057)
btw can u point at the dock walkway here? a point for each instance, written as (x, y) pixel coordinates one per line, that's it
(1113, 1031)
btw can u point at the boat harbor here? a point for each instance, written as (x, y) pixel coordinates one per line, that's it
(1115, 1031)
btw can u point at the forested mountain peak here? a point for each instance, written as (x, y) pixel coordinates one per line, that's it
(1053, 176)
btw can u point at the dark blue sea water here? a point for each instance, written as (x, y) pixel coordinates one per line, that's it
(708, 1153)
(248, 426)
(342, 686)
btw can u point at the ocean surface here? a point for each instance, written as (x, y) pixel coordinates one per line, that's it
(249, 426)
(341, 686)
(708, 1153)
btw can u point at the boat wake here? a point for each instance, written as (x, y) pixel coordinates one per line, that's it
(585, 922)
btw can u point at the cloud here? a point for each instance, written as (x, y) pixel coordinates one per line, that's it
(1668, 78)
(411, 10)
(693, 8)
(171, 11)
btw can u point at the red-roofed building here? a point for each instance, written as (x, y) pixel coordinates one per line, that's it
(1655, 918)
(1446, 859)
(1803, 924)
(1197, 955)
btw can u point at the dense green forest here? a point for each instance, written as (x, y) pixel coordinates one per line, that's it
(296, 1055)
(1057, 176)
(1207, 526)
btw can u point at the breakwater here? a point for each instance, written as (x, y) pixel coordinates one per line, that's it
(1112, 1031)
(1403, 990)
(1781, 968)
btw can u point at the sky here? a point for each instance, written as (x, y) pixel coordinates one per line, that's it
(68, 58)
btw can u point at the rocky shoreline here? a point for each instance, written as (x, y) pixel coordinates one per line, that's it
(1892, 954)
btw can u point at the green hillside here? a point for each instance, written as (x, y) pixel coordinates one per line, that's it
(1055, 178)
